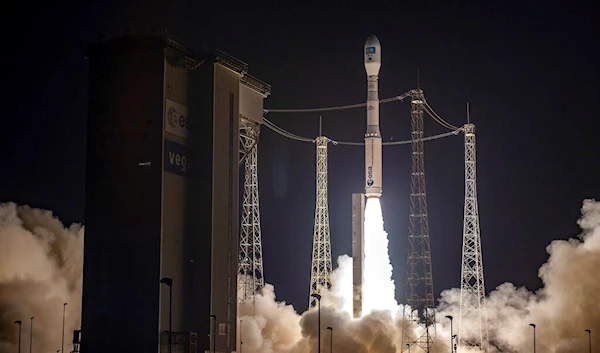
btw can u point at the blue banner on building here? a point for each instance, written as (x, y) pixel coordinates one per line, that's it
(178, 159)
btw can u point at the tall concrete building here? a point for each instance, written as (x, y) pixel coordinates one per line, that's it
(161, 197)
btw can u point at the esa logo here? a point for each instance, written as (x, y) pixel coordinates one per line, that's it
(175, 119)
(370, 176)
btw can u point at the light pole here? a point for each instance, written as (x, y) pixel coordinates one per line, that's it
(449, 317)
(330, 339)
(589, 339)
(169, 282)
(408, 347)
(214, 333)
(318, 298)
(18, 322)
(533, 325)
(241, 336)
(31, 334)
(62, 348)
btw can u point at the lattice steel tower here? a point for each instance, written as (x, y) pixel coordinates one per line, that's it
(320, 276)
(250, 266)
(472, 288)
(419, 279)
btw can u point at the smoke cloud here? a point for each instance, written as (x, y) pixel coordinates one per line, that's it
(40, 267)
(566, 306)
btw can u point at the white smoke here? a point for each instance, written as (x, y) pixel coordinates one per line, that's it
(40, 267)
(562, 310)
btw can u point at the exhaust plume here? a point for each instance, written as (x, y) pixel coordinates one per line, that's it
(40, 266)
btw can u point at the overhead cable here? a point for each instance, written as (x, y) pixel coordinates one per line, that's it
(292, 136)
(436, 117)
(342, 107)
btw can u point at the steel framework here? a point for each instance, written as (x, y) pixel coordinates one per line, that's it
(420, 318)
(320, 276)
(250, 265)
(474, 333)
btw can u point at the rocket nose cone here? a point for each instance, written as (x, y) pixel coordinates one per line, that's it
(372, 41)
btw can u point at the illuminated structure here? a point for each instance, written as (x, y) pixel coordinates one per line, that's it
(419, 278)
(320, 275)
(472, 287)
(162, 196)
(250, 263)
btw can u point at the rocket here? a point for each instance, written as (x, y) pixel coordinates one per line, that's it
(373, 168)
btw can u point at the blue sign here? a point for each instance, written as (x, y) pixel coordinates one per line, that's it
(370, 50)
(177, 159)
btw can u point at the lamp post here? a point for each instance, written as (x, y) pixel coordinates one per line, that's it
(169, 282)
(408, 347)
(241, 336)
(18, 322)
(62, 347)
(31, 334)
(449, 317)
(318, 298)
(330, 339)
(589, 339)
(533, 325)
(214, 333)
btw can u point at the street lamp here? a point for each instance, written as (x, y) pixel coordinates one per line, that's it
(589, 339)
(330, 339)
(169, 282)
(18, 322)
(449, 317)
(214, 333)
(31, 334)
(533, 325)
(62, 348)
(241, 336)
(318, 298)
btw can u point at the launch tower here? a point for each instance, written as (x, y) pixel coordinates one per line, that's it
(472, 288)
(419, 278)
(320, 276)
(250, 263)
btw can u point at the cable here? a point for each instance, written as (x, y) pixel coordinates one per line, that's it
(289, 135)
(436, 117)
(405, 142)
(285, 133)
(342, 107)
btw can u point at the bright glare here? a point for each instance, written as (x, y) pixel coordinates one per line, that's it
(378, 290)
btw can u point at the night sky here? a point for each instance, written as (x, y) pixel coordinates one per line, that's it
(529, 72)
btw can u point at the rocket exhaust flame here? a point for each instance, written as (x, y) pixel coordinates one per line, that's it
(378, 286)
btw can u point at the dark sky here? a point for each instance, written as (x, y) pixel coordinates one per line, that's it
(529, 71)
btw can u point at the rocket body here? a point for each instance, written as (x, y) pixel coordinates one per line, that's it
(373, 158)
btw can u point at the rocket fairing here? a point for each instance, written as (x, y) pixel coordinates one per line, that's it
(373, 166)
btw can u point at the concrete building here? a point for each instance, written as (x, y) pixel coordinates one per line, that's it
(161, 197)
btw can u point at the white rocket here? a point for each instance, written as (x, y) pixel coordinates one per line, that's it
(373, 136)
